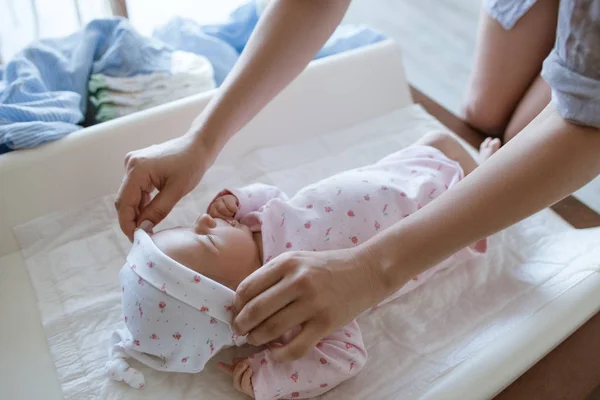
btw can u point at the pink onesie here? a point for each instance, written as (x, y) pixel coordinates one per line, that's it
(339, 212)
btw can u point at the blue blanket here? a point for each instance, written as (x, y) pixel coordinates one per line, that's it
(43, 90)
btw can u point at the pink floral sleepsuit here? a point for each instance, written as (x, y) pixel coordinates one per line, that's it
(176, 319)
(339, 212)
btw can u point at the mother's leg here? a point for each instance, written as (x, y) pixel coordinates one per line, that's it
(506, 64)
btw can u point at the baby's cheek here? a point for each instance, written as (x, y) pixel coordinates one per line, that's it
(238, 259)
(241, 245)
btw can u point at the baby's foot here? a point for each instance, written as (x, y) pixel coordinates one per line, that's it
(488, 148)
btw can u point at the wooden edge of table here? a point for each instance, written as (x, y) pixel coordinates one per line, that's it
(572, 370)
(570, 209)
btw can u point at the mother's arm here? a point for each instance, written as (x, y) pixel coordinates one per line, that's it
(286, 39)
(547, 161)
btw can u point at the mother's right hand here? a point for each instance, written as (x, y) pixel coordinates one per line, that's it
(173, 168)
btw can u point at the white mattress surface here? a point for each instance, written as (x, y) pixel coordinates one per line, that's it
(73, 258)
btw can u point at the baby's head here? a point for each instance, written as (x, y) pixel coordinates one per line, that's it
(177, 296)
(224, 251)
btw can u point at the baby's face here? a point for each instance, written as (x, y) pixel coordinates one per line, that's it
(223, 251)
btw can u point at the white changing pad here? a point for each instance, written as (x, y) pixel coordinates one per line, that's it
(73, 259)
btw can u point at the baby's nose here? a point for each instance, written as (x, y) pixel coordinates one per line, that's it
(203, 222)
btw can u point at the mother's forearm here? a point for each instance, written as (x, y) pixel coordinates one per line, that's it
(546, 162)
(285, 40)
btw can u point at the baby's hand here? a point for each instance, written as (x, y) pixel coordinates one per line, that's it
(224, 207)
(241, 371)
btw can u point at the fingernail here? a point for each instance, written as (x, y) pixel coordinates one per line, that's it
(146, 226)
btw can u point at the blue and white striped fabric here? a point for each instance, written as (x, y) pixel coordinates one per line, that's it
(43, 90)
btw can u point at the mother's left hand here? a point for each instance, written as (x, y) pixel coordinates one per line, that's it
(319, 291)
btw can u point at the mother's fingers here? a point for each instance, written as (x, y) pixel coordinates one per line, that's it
(127, 204)
(259, 281)
(146, 198)
(293, 315)
(312, 332)
(162, 204)
(267, 293)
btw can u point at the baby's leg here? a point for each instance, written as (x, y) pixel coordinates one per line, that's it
(452, 148)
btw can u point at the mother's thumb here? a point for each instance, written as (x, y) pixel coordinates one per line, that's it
(158, 208)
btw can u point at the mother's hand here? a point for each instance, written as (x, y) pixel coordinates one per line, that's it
(319, 291)
(174, 168)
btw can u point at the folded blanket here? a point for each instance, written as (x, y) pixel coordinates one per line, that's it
(113, 97)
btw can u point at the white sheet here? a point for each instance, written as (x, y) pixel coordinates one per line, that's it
(73, 258)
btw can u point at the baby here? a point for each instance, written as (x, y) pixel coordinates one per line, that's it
(178, 284)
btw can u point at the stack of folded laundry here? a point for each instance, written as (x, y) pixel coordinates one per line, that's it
(57, 86)
(113, 97)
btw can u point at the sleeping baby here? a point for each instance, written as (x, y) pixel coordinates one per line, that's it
(178, 284)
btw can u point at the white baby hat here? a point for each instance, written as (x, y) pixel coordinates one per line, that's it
(175, 319)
